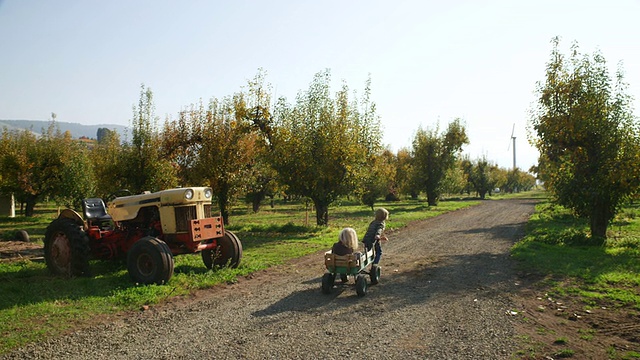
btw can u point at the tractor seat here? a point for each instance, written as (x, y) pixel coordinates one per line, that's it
(94, 209)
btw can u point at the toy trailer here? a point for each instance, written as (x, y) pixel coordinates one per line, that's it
(352, 264)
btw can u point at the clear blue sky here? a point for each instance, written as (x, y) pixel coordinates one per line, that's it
(429, 61)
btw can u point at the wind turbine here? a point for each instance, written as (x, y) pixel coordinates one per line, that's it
(513, 139)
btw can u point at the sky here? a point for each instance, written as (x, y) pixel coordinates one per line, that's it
(430, 62)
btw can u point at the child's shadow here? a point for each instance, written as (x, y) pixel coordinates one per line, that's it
(308, 300)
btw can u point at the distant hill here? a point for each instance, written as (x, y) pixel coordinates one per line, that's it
(76, 130)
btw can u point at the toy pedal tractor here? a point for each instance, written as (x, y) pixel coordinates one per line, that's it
(350, 265)
(147, 229)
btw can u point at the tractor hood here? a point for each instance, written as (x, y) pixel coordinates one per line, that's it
(126, 207)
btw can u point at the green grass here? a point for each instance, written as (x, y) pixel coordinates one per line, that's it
(586, 334)
(564, 353)
(35, 225)
(35, 305)
(558, 247)
(560, 341)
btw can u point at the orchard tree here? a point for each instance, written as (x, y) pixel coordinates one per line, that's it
(500, 176)
(261, 182)
(77, 174)
(518, 180)
(143, 166)
(484, 176)
(587, 136)
(321, 147)
(455, 180)
(380, 179)
(18, 161)
(434, 154)
(109, 161)
(218, 145)
(262, 177)
(52, 165)
(227, 150)
(467, 166)
(182, 142)
(403, 171)
(376, 173)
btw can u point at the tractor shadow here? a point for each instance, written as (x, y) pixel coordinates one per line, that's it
(32, 286)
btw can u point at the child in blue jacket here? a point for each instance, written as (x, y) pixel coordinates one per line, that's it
(374, 233)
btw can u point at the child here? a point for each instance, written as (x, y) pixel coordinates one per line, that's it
(347, 242)
(373, 236)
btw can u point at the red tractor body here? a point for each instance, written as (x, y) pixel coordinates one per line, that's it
(149, 229)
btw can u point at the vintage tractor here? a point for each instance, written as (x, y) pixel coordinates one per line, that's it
(147, 229)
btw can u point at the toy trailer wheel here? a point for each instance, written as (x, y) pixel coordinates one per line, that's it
(361, 285)
(227, 253)
(66, 248)
(150, 261)
(374, 274)
(328, 279)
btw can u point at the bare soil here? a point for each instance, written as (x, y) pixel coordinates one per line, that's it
(20, 250)
(552, 326)
(449, 290)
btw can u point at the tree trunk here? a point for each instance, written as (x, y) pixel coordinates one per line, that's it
(30, 205)
(322, 213)
(256, 200)
(223, 204)
(599, 222)
(432, 199)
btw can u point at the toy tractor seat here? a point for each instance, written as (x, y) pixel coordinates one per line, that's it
(96, 212)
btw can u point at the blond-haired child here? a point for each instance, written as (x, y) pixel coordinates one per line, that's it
(347, 242)
(374, 233)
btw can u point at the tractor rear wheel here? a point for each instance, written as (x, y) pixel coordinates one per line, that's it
(227, 253)
(66, 248)
(150, 261)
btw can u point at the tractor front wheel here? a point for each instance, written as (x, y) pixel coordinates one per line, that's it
(66, 248)
(227, 253)
(150, 261)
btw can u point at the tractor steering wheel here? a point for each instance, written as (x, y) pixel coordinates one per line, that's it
(118, 193)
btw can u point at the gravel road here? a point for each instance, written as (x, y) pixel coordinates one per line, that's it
(444, 294)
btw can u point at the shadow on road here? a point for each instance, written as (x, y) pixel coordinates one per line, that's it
(454, 277)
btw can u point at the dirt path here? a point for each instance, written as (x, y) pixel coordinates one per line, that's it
(444, 294)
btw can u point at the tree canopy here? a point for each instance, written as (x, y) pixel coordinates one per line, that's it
(483, 176)
(51, 165)
(434, 154)
(587, 136)
(142, 161)
(321, 146)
